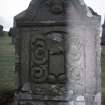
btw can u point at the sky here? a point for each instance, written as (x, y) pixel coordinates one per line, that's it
(10, 8)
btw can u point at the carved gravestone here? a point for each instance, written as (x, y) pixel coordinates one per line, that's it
(1, 30)
(53, 43)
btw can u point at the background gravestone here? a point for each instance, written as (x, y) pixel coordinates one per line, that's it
(58, 54)
(1, 30)
(103, 35)
(12, 34)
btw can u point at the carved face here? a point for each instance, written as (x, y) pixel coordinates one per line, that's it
(56, 6)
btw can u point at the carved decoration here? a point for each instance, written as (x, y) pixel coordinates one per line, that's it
(62, 78)
(50, 90)
(25, 103)
(39, 70)
(51, 78)
(39, 51)
(44, 52)
(39, 74)
(56, 36)
(56, 6)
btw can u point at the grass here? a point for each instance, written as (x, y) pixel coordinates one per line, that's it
(7, 60)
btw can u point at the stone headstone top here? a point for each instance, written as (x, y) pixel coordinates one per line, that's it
(41, 11)
(49, 11)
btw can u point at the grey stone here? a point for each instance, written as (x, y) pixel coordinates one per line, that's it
(98, 98)
(83, 52)
(80, 98)
(26, 88)
(58, 51)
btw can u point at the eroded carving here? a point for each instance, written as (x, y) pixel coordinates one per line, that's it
(39, 74)
(56, 6)
(39, 51)
(50, 90)
(48, 79)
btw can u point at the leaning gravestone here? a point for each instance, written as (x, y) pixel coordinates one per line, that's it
(1, 30)
(58, 54)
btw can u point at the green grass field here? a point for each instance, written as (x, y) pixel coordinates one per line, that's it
(7, 71)
(7, 60)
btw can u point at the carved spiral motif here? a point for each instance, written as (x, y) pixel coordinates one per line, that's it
(40, 55)
(39, 74)
(39, 52)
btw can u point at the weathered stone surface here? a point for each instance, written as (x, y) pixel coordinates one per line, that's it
(58, 51)
(83, 52)
(40, 53)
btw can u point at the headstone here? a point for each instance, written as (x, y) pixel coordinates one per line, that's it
(103, 35)
(12, 34)
(58, 54)
(1, 30)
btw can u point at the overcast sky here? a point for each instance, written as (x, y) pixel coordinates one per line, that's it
(10, 8)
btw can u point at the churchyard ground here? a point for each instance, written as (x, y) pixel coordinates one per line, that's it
(7, 72)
